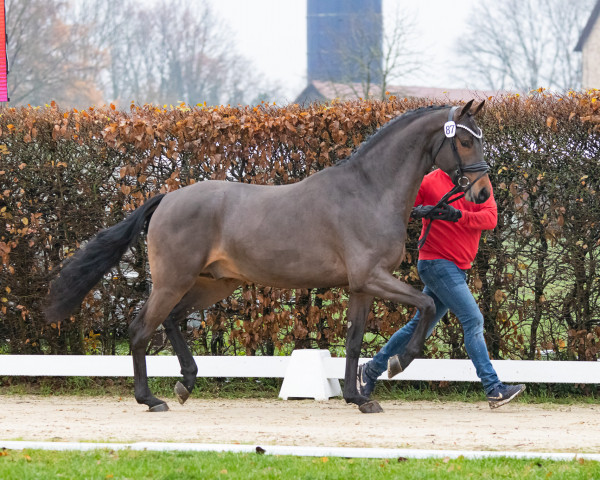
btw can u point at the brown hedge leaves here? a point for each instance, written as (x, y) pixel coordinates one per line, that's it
(64, 175)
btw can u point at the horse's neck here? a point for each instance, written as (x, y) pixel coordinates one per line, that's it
(397, 163)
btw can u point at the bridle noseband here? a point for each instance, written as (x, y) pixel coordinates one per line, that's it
(461, 181)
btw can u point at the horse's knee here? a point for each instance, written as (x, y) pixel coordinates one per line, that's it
(428, 308)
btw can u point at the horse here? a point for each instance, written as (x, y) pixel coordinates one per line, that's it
(344, 226)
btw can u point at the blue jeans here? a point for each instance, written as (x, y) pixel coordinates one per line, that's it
(447, 285)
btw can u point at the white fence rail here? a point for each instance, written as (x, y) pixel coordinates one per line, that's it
(306, 373)
(122, 366)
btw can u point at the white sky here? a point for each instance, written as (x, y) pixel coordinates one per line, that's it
(272, 34)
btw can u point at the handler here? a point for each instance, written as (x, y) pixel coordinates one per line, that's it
(444, 257)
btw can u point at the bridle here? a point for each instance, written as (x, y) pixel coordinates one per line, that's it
(461, 182)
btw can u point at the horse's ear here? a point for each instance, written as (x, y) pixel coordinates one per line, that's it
(465, 109)
(478, 108)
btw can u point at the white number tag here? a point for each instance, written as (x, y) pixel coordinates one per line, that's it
(450, 129)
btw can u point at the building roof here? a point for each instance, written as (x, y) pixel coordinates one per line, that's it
(319, 91)
(588, 27)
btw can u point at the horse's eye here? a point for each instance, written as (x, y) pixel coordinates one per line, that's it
(466, 143)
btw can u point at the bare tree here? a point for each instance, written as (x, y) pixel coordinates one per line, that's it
(107, 23)
(81, 52)
(198, 63)
(371, 71)
(169, 51)
(49, 58)
(401, 57)
(525, 44)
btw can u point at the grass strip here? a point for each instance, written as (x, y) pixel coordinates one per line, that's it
(238, 388)
(129, 464)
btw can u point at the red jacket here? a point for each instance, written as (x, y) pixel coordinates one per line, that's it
(457, 242)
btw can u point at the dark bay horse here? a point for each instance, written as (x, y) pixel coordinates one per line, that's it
(342, 227)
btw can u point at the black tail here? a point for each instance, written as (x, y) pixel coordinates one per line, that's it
(84, 269)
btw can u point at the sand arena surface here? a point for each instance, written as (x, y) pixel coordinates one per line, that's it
(423, 425)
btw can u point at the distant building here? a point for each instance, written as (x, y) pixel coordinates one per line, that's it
(345, 39)
(589, 46)
(318, 91)
(345, 48)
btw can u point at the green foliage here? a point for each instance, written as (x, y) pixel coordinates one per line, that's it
(64, 175)
(122, 464)
(536, 272)
(240, 388)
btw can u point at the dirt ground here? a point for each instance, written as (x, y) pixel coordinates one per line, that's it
(423, 425)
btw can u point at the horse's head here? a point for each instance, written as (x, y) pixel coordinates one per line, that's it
(461, 153)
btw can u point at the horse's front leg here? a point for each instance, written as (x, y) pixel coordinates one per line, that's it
(384, 285)
(358, 311)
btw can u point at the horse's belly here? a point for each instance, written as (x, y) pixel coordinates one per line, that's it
(281, 273)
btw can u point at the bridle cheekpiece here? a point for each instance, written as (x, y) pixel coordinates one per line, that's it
(460, 180)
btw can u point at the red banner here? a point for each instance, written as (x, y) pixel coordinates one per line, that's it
(3, 61)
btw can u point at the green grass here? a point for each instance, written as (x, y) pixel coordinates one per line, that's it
(163, 387)
(127, 464)
(233, 388)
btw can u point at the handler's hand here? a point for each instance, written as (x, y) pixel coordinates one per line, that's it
(447, 212)
(422, 211)
(431, 212)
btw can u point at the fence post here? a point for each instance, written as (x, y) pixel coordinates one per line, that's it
(306, 377)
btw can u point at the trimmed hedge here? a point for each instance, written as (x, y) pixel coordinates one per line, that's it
(66, 174)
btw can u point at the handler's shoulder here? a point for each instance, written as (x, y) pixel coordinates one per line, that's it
(435, 174)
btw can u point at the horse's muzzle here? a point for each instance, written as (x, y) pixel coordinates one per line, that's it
(482, 195)
(478, 195)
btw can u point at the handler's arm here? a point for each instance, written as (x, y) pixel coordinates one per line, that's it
(484, 219)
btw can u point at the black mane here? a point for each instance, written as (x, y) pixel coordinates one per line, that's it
(403, 119)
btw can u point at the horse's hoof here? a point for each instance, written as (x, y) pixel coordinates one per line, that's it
(161, 407)
(181, 392)
(371, 406)
(394, 367)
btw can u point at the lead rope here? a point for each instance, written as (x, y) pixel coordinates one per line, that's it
(443, 200)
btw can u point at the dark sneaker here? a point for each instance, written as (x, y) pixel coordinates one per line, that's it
(503, 394)
(364, 384)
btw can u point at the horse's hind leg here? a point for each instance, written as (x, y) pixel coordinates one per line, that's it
(189, 369)
(203, 294)
(153, 313)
